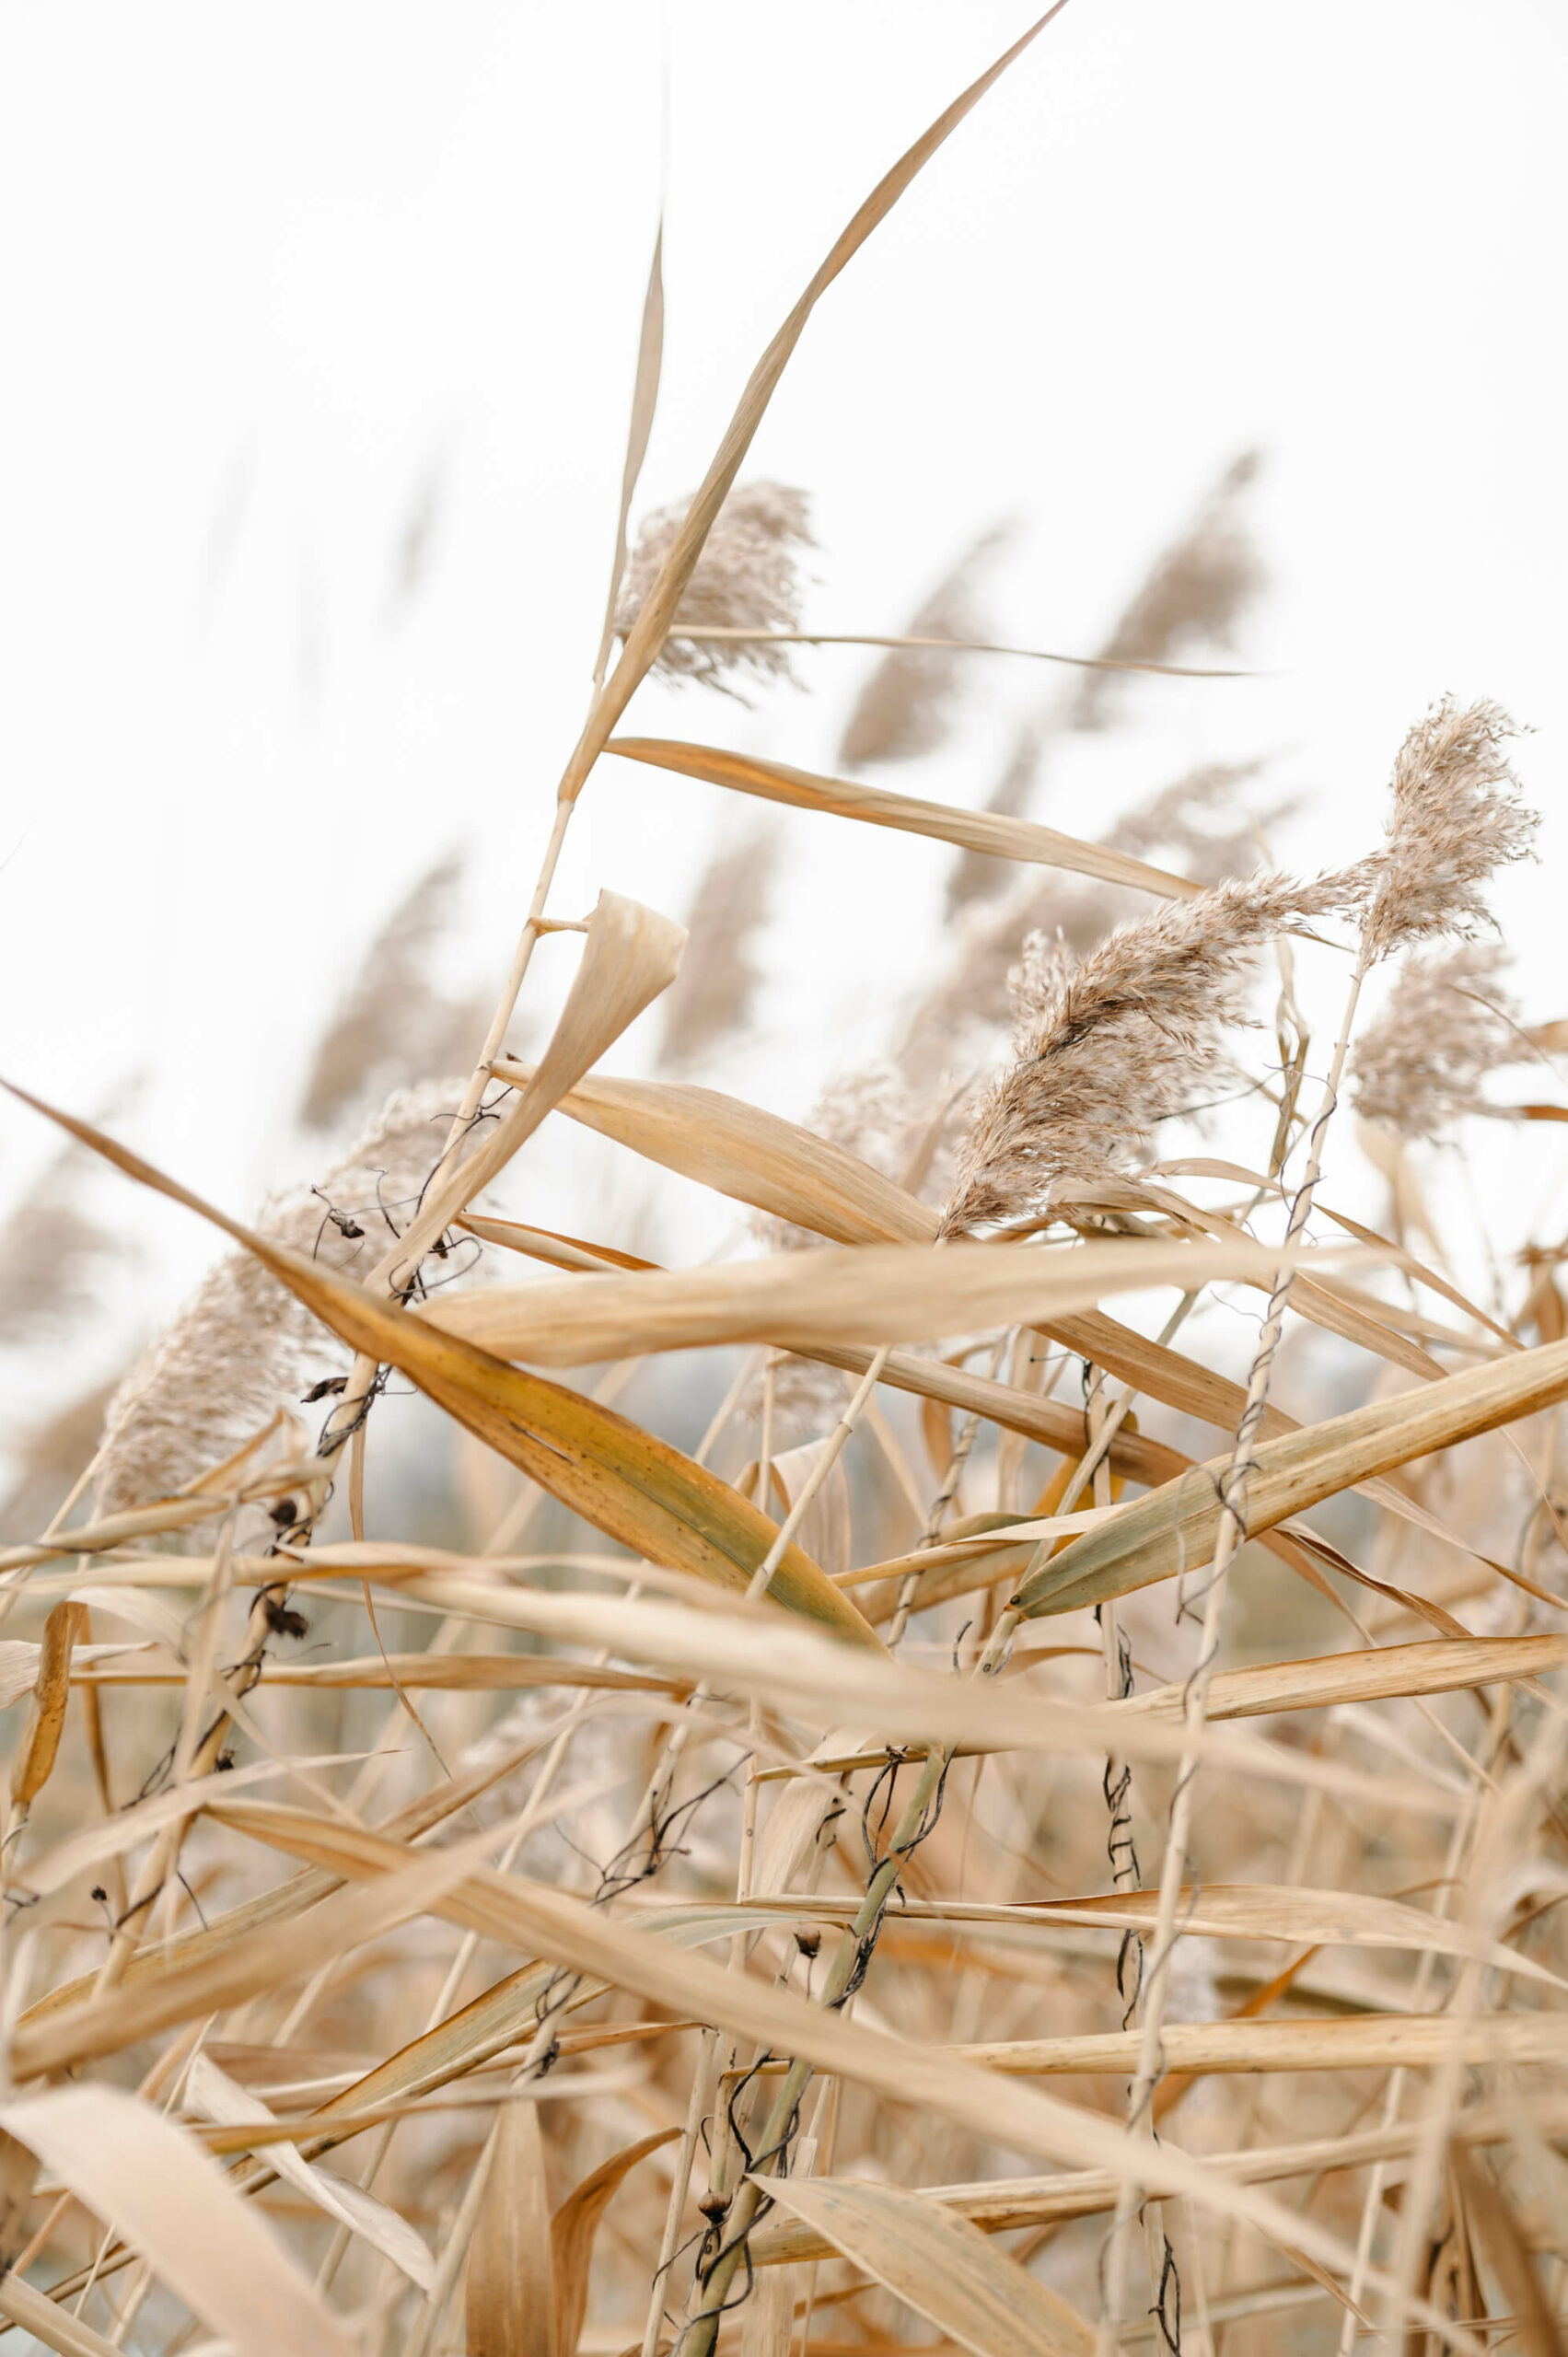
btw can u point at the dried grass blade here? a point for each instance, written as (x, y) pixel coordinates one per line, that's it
(1383, 1674)
(511, 2284)
(752, 1156)
(659, 607)
(574, 2227)
(644, 403)
(1176, 1526)
(981, 831)
(944, 2267)
(620, 1478)
(211, 2092)
(35, 1755)
(800, 1300)
(149, 2179)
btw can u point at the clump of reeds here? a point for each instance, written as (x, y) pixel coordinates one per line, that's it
(645, 1880)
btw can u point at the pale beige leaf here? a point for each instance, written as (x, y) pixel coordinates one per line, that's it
(574, 2227)
(52, 2326)
(803, 1300)
(152, 2182)
(1354, 2042)
(511, 2282)
(1379, 1675)
(630, 955)
(750, 1155)
(984, 830)
(938, 2263)
(215, 2095)
(1175, 1527)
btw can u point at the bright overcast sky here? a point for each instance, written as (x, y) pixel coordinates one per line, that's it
(277, 276)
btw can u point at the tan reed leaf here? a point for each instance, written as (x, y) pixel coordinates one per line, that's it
(1174, 1528)
(841, 798)
(510, 2301)
(145, 2175)
(33, 1760)
(904, 707)
(574, 2227)
(1354, 2042)
(938, 2264)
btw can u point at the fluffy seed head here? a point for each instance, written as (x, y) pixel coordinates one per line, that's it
(1107, 1048)
(1457, 819)
(243, 1345)
(1422, 1064)
(747, 577)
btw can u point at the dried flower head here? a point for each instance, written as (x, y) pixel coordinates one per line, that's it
(243, 1345)
(1457, 819)
(395, 1023)
(747, 578)
(1195, 593)
(1199, 826)
(905, 708)
(719, 974)
(1422, 1064)
(1107, 1048)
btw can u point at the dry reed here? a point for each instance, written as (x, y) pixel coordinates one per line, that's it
(677, 1897)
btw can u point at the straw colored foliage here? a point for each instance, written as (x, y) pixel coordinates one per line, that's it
(619, 1808)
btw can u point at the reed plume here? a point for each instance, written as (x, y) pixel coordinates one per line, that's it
(747, 578)
(243, 1345)
(906, 706)
(1195, 593)
(1107, 1048)
(1457, 819)
(720, 975)
(1422, 1066)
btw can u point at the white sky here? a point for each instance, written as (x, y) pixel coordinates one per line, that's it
(271, 269)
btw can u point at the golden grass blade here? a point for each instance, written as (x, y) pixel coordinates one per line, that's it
(1354, 2042)
(752, 1156)
(153, 2184)
(622, 1480)
(51, 2327)
(523, 1914)
(574, 2227)
(1534, 2325)
(1003, 2203)
(803, 1300)
(984, 830)
(645, 401)
(630, 955)
(1381, 1675)
(659, 607)
(212, 2093)
(511, 2284)
(1175, 1527)
(35, 1755)
(940, 2264)
(441, 1673)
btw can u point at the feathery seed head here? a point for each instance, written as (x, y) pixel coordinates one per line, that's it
(1421, 1065)
(1457, 819)
(747, 577)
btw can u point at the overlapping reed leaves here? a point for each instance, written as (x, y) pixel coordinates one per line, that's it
(843, 1864)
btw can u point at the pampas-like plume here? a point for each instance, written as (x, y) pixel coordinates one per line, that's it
(719, 973)
(905, 707)
(48, 1249)
(1456, 820)
(747, 577)
(1195, 592)
(243, 1345)
(1107, 1048)
(1422, 1064)
(394, 1026)
(1198, 826)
